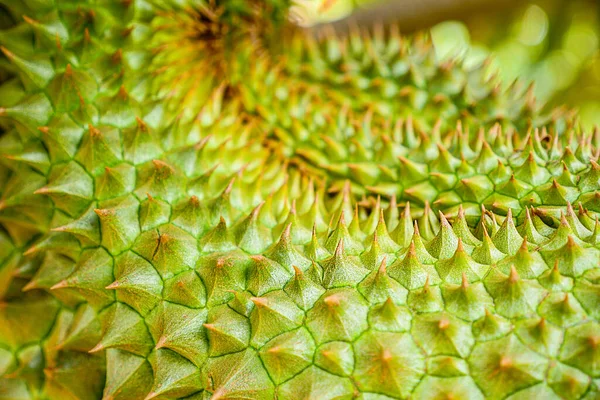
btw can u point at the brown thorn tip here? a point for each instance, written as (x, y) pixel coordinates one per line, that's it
(382, 266)
(161, 342)
(465, 280)
(332, 300)
(339, 250)
(98, 347)
(506, 362)
(258, 301)
(444, 323)
(42, 190)
(60, 285)
(151, 395)
(30, 251)
(287, 230)
(6, 52)
(514, 275)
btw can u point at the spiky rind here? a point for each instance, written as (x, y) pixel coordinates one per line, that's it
(165, 236)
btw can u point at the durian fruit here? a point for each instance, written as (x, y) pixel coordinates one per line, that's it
(198, 200)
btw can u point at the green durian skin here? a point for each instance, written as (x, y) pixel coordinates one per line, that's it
(199, 200)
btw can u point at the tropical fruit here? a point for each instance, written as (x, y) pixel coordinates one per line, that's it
(199, 200)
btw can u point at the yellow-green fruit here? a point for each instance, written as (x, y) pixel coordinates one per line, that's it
(198, 200)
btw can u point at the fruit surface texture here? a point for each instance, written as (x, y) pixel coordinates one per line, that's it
(200, 200)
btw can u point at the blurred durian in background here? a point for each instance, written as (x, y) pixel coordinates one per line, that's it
(554, 43)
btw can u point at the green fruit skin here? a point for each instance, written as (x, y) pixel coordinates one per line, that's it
(200, 201)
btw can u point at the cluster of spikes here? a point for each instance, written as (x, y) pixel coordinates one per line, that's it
(199, 200)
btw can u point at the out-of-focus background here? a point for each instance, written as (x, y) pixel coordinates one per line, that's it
(554, 43)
